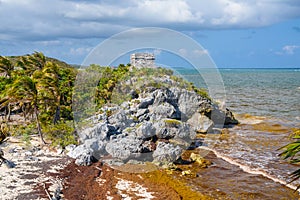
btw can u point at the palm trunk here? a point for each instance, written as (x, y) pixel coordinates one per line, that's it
(9, 113)
(38, 125)
(57, 115)
(57, 111)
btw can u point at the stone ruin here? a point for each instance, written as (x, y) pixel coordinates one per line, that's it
(141, 60)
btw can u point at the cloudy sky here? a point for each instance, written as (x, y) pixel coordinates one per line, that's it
(236, 33)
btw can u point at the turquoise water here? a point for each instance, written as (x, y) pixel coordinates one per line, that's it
(267, 104)
(259, 92)
(264, 92)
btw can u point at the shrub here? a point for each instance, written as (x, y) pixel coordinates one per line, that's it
(61, 134)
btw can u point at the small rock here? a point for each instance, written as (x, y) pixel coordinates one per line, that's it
(145, 103)
(203, 163)
(186, 172)
(9, 164)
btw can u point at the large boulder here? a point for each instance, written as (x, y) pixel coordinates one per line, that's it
(146, 130)
(88, 152)
(201, 123)
(166, 153)
(120, 120)
(188, 103)
(124, 148)
(164, 110)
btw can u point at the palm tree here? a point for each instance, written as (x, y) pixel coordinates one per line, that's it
(31, 63)
(24, 91)
(6, 66)
(292, 151)
(48, 87)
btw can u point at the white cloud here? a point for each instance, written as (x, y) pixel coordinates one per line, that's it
(198, 52)
(182, 52)
(41, 20)
(157, 52)
(80, 50)
(290, 49)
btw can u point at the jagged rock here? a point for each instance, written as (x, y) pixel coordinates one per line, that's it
(120, 120)
(188, 103)
(164, 110)
(141, 112)
(164, 132)
(166, 153)
(84, 159)
(201, 123)
(124, 148)
(229, 118)
(83, 155)
(145, 103)
(157, 124)
(96, 145)
(146, 130)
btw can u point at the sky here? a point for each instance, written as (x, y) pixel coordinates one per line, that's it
(235, 33)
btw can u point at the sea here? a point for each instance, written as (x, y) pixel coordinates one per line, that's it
(246, 162)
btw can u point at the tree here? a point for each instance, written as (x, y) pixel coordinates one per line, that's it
(48, 87)
(6, 66)
(23, 90)
(31, 63)
(292, 151)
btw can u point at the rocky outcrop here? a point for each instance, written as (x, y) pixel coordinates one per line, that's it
(156, 125)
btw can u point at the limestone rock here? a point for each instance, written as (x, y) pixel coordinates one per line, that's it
(145, 103)
(124, 148)
(201, 123)
(146, 130)
(166, 153)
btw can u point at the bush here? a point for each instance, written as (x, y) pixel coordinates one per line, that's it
(61, 134)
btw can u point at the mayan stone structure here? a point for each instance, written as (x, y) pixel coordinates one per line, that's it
(140, 60)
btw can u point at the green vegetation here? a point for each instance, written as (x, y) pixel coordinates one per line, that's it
(39, 91)
(292, 152)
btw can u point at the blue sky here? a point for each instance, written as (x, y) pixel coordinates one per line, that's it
(248, 33)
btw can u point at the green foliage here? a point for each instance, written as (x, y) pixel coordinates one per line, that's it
(6, 66)
(110, 77)
(25, 129)
(291, 151)
(39, 86)
(42, 90)
(26, 138)
(62, 133)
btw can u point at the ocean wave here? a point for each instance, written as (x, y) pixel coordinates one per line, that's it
(248, 169)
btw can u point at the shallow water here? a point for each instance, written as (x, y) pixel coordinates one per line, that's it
(247, 166)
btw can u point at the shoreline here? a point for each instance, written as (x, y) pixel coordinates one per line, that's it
(53, 172)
